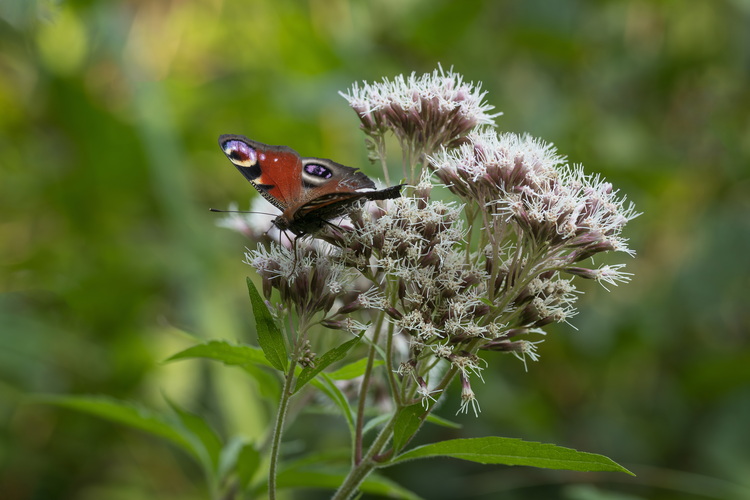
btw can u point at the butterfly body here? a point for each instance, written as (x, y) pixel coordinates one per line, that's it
(308, 191)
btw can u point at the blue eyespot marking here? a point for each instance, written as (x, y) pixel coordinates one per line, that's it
(240, 153)
(318, 171)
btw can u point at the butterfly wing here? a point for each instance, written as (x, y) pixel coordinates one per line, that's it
(275, 171)
(288, 180)
(309, 191)
(334, 204)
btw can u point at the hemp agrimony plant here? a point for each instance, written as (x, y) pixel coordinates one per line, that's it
(422, 286)
(424, 295)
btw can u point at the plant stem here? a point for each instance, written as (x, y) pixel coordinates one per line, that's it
(278, 429)
(380, 142)
(286, 395)
(360, 471)
(363, 397)
(389, 367)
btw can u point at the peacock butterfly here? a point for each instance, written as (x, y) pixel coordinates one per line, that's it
(308, 191)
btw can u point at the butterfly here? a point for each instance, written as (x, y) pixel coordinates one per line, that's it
(308, 191)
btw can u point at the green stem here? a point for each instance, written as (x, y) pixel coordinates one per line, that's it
(389, 367)
(363, 396)
(380, 142)
(360, 471)
(279, 428)
(405, 162)
(286, 396)
(470, 216)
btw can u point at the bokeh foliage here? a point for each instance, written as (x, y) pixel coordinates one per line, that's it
(110, 262)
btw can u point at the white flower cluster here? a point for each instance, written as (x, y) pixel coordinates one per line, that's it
(523, 180)
(423, 111)
(411, 263)
(489, 166)
(308, 278)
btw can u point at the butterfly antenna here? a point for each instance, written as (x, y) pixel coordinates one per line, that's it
(294, 249)
(335, 226)
(240, 212)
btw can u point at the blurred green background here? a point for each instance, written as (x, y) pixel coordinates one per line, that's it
(110, 261)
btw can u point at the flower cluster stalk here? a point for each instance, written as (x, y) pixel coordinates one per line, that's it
(278, 429)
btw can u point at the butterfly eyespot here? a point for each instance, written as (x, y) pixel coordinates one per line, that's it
(318, 171)
(240, 153)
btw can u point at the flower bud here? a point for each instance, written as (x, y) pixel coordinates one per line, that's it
(401, 289)
(583, 272)
(393, 312)
(354, 305)
(584, 253)
(430, 259)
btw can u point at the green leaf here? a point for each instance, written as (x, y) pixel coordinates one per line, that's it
(128, 414)
(374, 484)
(353, 370)
(240, 457)
(335, 354)
(486, 301)
(268, 383)
(335, 456)
(250, 358)
(270, 338)
(198, 428)
(220, 350)
(248, 462)
(443, 422)
(326, 385)
(510, 451)
(375, 422)
(407, 422)
(228, 456)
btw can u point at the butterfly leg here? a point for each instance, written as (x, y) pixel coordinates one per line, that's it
(294, 251)
(297, 236)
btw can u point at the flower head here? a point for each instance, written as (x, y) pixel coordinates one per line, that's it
(441, 280)
(468, 398)
(605, 274)
(524, 180)
(488, 167)
(309, 279)
(429, 110)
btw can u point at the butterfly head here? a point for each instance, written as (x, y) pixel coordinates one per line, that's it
(282, 222)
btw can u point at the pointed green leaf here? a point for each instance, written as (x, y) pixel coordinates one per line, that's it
(228, 456)
(353, 370)
(443, 422)
(239, 457)
(208, 440)
(328, 388)
(126, 413)
(510, 451)
(335, 354)
(268, 383)
(375, 422)
(408, 420)
(248, 462)
(270, 338)
(250, 358)
(375, 484)
(221, 350)
(333, 456)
